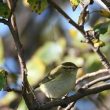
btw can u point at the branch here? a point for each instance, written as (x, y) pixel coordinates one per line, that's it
(89, 84)
(75, 97)
(107, 3)
(14, 31)
(66, 16)
(90, 79)
(103, 59)
(12, 89)
(26, 89)
(92, 76)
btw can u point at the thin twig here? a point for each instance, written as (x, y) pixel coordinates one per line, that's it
(12, 9)
(14, 90)
(70, 106)
(89, 84)
(66, 16)
(92, 76)
(102, 57)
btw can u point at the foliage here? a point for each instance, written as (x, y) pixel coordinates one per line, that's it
(104, 13)
(4, 10)
(38, 5)
(75, 3)
(102, 27)
(3, 79)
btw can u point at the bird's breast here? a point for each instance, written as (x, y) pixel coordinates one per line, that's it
(58, 87)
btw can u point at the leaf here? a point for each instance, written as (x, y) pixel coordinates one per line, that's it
(2, 78)
(98, 43)
(2, 81)
(74, 3)
(104, 13)
(4, 10)
(38, 5)
(83, 3)
(102, 27)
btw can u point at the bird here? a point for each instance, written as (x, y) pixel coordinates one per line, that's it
(59, 81)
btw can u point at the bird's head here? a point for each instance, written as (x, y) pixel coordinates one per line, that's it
(69, 66)
(66, 67)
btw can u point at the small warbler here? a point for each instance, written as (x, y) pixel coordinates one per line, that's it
(60, 80)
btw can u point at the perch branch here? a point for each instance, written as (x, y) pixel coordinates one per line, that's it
(92, 76)
(75, 97)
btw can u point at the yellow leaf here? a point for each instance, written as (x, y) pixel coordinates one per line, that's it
(104, 13)
(98, 43)
(74, 3)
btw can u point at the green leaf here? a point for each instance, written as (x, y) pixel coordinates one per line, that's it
(38, 5)
(2, 78)
(102, 28)
(4, 10)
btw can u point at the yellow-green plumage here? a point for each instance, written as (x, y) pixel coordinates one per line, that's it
(60, 83)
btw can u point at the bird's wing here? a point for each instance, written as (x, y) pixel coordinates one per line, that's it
(52, 75)
(46, 79)
(55, 72)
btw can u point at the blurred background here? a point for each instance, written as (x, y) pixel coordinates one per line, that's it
(48, 40)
